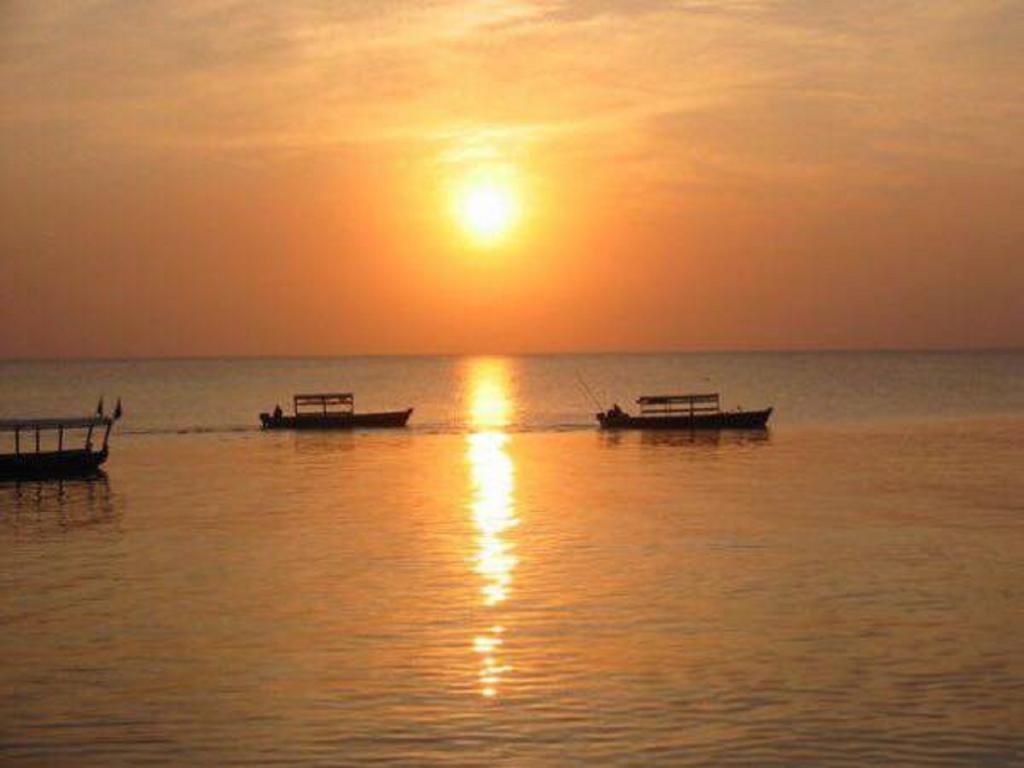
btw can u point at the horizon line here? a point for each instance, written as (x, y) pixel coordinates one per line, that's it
(578, 353)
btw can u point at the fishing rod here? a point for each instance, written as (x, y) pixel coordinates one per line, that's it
(586, 389)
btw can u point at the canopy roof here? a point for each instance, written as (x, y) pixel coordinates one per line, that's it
(341, 402)
(672, 399)
(328, 398)
(69, 422)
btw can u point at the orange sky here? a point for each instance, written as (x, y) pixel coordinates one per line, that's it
(231, 177)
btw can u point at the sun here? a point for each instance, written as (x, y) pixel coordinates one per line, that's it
(486, 209)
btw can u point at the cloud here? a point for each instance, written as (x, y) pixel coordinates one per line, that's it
(799, 89)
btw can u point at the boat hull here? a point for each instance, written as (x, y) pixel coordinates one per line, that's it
(53, 465)
(382, 420)
(721, 420)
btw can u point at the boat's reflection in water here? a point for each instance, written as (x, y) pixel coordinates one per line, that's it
(492, 505)
(41, 505)
(685, 438)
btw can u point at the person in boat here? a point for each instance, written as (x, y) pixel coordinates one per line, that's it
(278, 413)
(616, 411)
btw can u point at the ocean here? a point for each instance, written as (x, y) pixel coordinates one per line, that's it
(502, 583)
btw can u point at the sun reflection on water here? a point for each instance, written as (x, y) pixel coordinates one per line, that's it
(492, 504)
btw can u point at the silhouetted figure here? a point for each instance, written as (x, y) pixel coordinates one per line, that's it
(278, 413)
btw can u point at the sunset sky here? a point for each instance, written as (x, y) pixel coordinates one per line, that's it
(313, 177)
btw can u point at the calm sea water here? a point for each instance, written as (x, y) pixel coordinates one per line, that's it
(503, 584)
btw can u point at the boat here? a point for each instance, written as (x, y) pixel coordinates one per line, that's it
(331, 411)
(696, 411)
(32, 459)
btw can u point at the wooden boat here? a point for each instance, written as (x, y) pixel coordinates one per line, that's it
(31, 460)
(700, 411)
(331, 411)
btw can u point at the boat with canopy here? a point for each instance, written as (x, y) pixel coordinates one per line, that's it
(694, 411)
(51, 448)
(331, 411)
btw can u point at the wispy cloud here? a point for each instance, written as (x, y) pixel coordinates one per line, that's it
(822, 83)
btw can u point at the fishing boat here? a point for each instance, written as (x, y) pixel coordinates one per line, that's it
(48, 449)
(699, 411)
(331, 411)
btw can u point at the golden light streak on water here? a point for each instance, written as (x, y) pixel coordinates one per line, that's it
(492, 505)
(490, 406)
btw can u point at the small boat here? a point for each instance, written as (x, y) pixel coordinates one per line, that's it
(701, 411)
(331, 411)
(33, 460)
